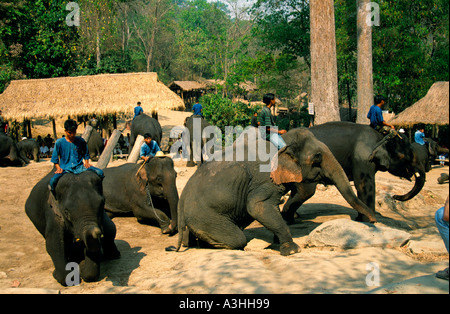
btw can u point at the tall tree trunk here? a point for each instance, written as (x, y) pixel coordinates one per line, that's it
(98, 49)
(364, 71)
(324, 82)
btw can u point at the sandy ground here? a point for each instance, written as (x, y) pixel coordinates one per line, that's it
(146, 267)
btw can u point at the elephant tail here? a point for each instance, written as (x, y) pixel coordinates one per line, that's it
(181, 226)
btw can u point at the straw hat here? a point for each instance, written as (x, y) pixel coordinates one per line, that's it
(160, 154)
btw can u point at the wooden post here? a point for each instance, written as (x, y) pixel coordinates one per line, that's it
(133, 157)
(54, 128)
(29, 135)
(108, 151)
(87, 133)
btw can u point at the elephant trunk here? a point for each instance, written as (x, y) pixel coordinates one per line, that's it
(333, 171)
(419, 183)
(171, 194)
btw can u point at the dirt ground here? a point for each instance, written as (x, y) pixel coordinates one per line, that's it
(146, 267)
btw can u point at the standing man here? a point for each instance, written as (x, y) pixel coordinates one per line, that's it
(138, 110)
(198, 109)
(375, 116)
(266, 120)
(71, 154)
(149, 148)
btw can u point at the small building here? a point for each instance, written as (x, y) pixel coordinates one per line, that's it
(188, 91)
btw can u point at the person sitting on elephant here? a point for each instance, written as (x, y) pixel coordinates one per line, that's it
(419, 136)
(138, 110)
(149, 148)
(69, 153)
(197, 109)
(375, 115)
(265, 119)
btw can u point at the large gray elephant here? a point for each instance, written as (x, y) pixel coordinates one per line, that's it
(145, 124)
(9, 153)
(95, 145)
(224, 197)
(362, 152)
(195, 125)
(74, 224)
(29, 148)
(148, 193)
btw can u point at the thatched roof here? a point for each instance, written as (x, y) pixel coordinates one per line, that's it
(432, 109)
(83, 95)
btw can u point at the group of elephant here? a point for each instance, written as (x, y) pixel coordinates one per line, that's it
(222, 197)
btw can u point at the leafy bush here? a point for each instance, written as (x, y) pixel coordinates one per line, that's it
(222, 112)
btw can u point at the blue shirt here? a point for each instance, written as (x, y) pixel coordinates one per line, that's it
(137, 111)
(149, 150)
(197, 109)
(418, 137)
(70, 156)
(376, 116)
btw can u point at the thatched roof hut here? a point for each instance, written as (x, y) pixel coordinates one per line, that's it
(432, 109)
(96, 94)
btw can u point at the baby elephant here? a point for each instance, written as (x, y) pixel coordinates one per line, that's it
(74, 224)
(224, 197)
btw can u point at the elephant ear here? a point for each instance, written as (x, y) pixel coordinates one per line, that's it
(142, 178)
(285, 168)
(53, 203)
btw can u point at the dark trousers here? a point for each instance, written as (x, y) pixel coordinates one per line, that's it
(54, 180)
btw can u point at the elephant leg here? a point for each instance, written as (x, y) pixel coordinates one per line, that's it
(268, 214)
(110, 250)
(218, 231)
(299, 194)
(190, 162)
(365, 187)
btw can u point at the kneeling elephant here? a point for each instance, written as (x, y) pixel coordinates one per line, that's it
(224, 197)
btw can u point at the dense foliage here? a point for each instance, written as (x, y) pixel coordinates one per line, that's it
(267, 44)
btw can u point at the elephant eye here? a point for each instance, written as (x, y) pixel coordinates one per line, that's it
(317, 159)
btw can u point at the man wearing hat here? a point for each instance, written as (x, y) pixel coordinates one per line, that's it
(149, 148)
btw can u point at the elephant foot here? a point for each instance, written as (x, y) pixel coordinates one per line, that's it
(363, 218)
(170, 230)
(191, 164)
(289, 248)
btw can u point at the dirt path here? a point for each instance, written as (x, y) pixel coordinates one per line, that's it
(146, 267)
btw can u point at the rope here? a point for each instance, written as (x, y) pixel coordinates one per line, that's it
(150, 203)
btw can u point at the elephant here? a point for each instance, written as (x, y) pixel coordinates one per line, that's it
(224, 197)
(9, 153)
(148, 193)
(74, 224)
(145, 124)
(95, 145)
(362, 152)
(29, 148)
(429, 152)
(195, 125)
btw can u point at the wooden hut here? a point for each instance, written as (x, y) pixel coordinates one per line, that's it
(86, 95)
(189, 91)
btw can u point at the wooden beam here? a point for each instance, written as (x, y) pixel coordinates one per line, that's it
(109, 149)
(133, 157)
(87, 133)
